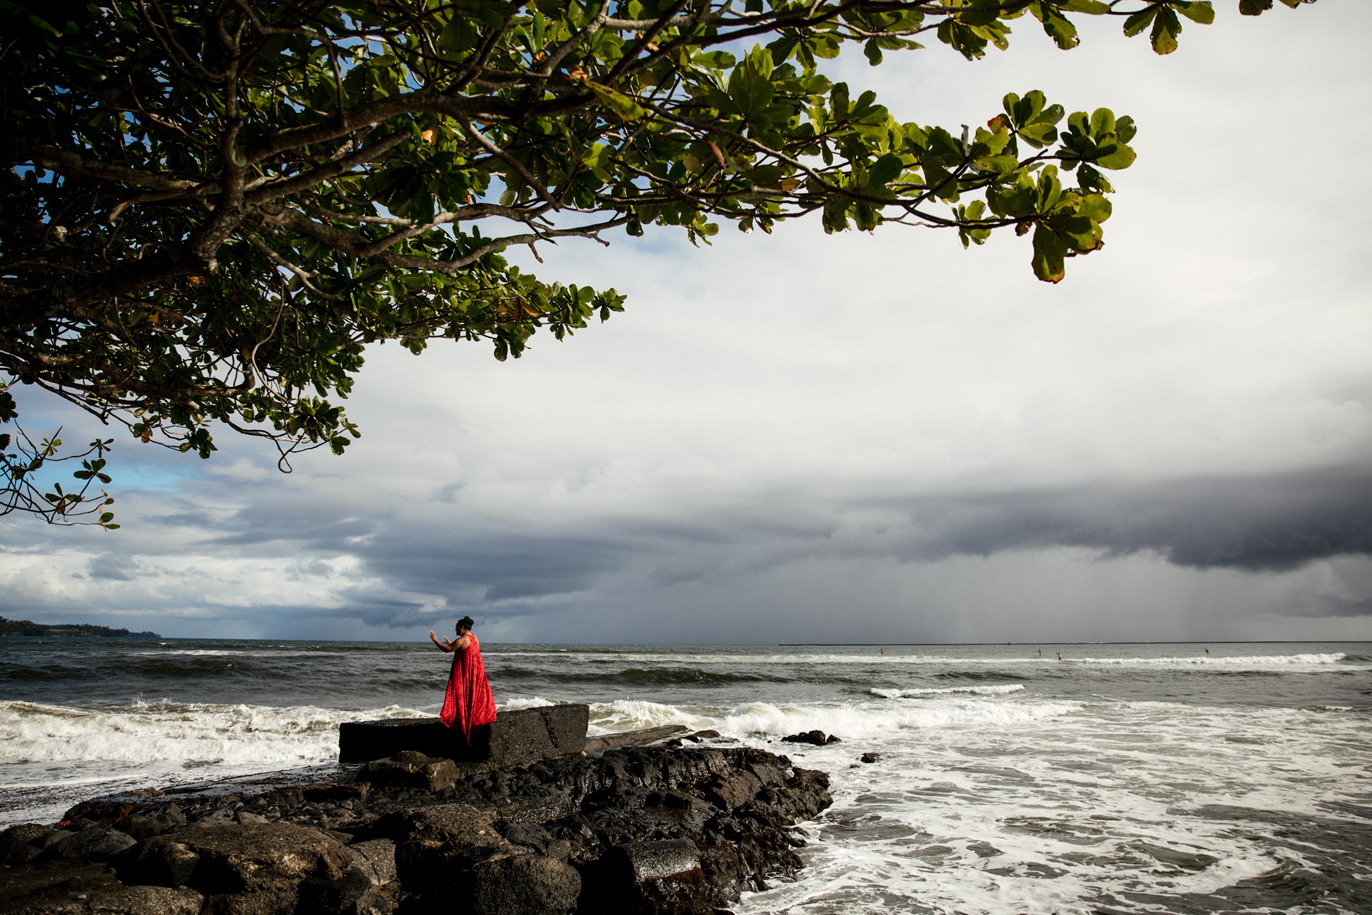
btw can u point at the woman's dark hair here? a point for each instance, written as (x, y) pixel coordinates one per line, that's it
(466, 623)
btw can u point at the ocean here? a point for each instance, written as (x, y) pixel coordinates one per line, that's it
(1124, 778)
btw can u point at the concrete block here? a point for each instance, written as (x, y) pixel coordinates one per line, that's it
(515, 738)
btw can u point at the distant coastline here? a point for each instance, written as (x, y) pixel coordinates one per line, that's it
(28, 627)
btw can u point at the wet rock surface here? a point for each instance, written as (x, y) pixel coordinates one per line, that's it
(631, 830)
(815, 737)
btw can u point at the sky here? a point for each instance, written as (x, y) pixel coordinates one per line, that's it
(801, 438)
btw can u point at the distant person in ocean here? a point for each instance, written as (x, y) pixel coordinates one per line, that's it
(468, 702)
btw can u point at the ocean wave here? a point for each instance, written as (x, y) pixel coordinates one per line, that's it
(1255, 661)
(996, 690)
(192, 734)
(637, 714)
(868, 721)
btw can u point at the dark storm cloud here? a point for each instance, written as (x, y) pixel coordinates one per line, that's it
(462, 565)
(507, 565)
(1269, 523)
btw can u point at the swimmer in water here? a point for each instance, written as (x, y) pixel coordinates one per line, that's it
(1059, 656)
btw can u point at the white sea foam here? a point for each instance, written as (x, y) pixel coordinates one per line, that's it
(881, 719)
(637, 714)
(996, 690)
(1047, 815)
(192, 734)
(522, 702)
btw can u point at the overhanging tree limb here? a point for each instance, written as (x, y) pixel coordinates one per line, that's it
(215, 206)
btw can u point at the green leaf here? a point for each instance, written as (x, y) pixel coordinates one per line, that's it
(1091, 7)
(1166, 28)
(1096, 208)
(1057, 26)
(1102, 122)
(1049, 251)
(1039, 135)
(885, 170)
(1139, 21)
(1197, 11)
(1115, 156)
(624, 107)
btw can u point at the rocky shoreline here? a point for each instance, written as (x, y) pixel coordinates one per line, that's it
(632, 829)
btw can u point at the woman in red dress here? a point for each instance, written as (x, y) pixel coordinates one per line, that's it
(468, 702)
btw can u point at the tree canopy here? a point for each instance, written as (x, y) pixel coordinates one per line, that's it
(214, 207)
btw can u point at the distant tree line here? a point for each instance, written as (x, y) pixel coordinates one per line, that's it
(28, 627)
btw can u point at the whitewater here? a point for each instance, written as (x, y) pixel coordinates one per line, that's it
(1122, 779)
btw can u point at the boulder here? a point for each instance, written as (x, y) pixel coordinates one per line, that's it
(21, 844)
(410, 769)
(100, 843)
(816, 737)
(661, 877)
(376, 859)
(162, 863)
(243, 869)
(333, 895)
(515, 738)
(77, 887)
(707, 734)
(441, 845)
(524, 885)
(143, 827)
(367, 887)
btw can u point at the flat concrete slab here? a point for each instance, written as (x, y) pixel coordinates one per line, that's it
(515, 738)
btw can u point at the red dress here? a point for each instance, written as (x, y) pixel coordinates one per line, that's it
(469, 701)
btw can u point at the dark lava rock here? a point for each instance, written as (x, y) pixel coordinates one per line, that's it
(76, 887)
(524, 885)
(632, 830)
(650, 877)
(243, 870)
(410, 769)
(437, 844)
(816, 737)
(100, 842)
(21, 844)
(870, 757)
(698, 736)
